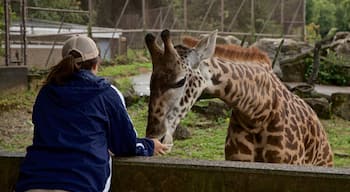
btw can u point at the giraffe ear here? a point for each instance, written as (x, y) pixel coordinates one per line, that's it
(206, 46)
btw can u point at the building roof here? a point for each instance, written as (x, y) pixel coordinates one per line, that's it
(36, 28)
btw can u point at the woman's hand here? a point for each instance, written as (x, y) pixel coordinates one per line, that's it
(159, 148)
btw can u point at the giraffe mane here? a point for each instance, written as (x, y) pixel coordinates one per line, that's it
(233, 52)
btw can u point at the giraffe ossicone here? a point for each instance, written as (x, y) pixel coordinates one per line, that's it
(268, 123)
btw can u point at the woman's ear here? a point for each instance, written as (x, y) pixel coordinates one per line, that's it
(94, 68)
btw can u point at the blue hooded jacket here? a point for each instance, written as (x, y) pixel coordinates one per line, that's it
(74, 127)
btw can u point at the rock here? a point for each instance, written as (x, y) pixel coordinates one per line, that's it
(290, 72)
(181, 133)
(229, 39)
(321, 106)
(341, 105)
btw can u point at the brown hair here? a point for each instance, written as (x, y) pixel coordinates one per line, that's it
(62, 72)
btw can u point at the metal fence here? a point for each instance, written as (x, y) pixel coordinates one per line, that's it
(253, 18)
(242, 18)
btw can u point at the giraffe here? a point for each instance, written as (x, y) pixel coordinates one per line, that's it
(268, 123)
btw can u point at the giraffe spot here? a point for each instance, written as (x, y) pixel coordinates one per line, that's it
(272, 156)
(249, 74)
(275, 141)
(240, 73)
(217, 92)
(216, 79)
(188, 92)
(295, 158)
(213, 63)
(182, 102)
(288, 158)
(249, 138)
(272, 128)
(224, 68)
(292, 145)
(259, 155)
(234, 75)
(243, 148)
(301, 151)
(186, 99)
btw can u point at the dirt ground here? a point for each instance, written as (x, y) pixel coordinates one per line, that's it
(16, 128)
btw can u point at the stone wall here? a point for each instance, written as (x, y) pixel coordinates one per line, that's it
(166, 174)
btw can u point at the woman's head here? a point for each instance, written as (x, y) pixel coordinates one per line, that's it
(78, 52)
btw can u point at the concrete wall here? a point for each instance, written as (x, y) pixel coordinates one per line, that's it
(13, 79)
(165, 174)
(37, 55)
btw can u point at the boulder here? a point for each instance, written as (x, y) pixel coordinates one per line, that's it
(181, 133)
(321, 106)
(341, 105)
(341, 44)
(289, 72)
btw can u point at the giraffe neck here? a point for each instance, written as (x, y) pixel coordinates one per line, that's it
(247, 88)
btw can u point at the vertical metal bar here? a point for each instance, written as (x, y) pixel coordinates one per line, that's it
(144, 15)
(185, 14)
(24, 30)
(252, 17)
(236, 15)
(90, 19)
(294, 17)
(222, 14)
(116, 27)
(207, 13)
(7, 33)
(282, 15)
(304, 21)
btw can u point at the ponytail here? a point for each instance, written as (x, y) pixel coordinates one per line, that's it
(64, 70)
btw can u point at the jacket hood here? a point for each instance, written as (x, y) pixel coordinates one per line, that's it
(83, 87)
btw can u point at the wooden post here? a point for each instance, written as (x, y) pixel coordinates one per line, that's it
(7, 33)
(222, 14)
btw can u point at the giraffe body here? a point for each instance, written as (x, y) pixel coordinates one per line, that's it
(268, 123)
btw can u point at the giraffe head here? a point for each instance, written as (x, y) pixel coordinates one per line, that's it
(177, 81)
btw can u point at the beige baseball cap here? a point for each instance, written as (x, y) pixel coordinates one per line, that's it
(83, 45)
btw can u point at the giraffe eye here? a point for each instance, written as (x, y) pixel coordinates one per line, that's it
(179, 83)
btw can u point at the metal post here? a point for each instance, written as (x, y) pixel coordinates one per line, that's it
(24, 30)
(304, 21)
(222, 14)
(185, 14)
(90, 19)
(282, 15)
(252, 17)
(7, 33)
(144, 15)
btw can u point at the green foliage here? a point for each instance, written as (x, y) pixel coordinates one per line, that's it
(328, 14)
(331, 70)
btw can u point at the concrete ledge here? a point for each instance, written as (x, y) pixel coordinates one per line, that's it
(165, 174)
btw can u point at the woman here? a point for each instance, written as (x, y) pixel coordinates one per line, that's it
(78, 119)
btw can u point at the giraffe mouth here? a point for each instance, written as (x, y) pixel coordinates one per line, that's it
(162, 138)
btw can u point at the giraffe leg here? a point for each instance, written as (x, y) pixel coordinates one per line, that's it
(239, 145)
